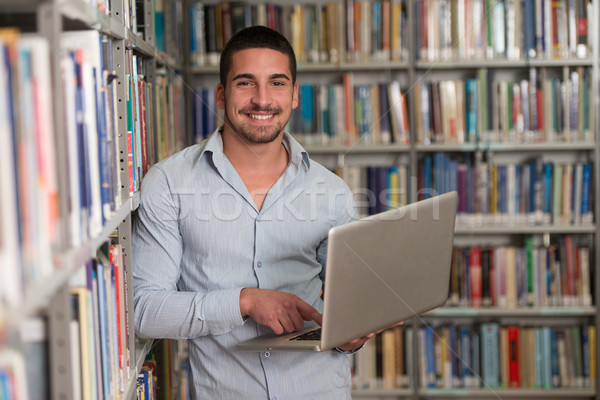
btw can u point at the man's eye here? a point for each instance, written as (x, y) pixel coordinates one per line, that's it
(243, 83)
(277, 83)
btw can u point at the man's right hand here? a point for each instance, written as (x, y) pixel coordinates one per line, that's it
(280, 311)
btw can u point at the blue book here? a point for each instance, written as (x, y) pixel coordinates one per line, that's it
(103, 150)
(554, 368)
(547, 199)
(529, 28)
(585, 352)
(464, 366)
(453, 352)
(82, 146)
(471, 109)
(533, 178)
(490, 357)
(585, 190)
(382, 188)
(546, 357)
(377, 42)
(470, 186)
(430, 356)
(427, 177)
(103, 326)
(475, 357)
(193, 39)
(331, 106)
(307, 108)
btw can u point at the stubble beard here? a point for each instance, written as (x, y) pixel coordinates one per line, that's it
(255, 135)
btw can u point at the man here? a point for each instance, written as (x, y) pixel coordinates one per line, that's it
(230, 238)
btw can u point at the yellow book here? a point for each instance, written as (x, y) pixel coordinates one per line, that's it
(494, 190)
(396, 40)
(389, 358)
(82, 301)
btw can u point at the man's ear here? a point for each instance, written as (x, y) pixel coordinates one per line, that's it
(220, 96)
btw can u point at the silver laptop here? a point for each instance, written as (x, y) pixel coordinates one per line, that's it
(381, 270)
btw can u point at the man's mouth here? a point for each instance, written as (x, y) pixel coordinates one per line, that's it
(260, 117)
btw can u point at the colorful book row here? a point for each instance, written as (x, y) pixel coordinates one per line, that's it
(348, 114)
(531, 276)
(99, 326)
(540, 109)
(342, 113)
(384, 361)
(493, 356)
(377, 188)
(319, 32)
(513, 194)
(504, 29)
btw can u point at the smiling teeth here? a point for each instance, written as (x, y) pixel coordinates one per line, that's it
(254, 116)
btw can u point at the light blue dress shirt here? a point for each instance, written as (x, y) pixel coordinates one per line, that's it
(199, 239)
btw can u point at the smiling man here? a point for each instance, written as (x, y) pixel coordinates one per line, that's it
(231, 234)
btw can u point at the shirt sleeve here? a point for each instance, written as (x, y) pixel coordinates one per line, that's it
(161, 311)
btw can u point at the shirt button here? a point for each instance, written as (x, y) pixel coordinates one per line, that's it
(267, 354)
(259, 264)
(274, 398)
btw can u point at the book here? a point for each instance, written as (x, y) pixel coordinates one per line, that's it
(12, 291)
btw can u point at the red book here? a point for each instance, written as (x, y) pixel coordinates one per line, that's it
(540, 109)
(476, 281)
(514, 375)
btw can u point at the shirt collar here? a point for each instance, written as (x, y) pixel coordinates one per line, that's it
(298, 155)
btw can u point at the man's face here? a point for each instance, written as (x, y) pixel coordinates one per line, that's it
(259, 95)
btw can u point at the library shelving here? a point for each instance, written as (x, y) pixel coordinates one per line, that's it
(497, 99)
(91, 96)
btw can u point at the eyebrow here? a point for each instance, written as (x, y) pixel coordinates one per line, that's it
(251, 76)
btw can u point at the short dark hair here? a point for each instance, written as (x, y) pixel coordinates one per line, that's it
(256, 37)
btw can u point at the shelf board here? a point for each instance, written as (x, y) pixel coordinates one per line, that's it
(466, 147)
(324, 67)
(19, 6)
(509, 147)
(524, 230)
(140, 45)
(455, 312)
(365, 393)
(374, 66)
(359, 148)
(506, 393)
(502, 63)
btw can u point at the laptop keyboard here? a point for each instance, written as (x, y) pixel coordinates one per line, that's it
(310, 335)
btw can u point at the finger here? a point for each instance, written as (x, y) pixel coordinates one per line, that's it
(309, 313)
(277, 328)
(297, 320)
(287, 324)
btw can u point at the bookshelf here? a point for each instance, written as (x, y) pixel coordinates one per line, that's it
(92, 91)
(450, 52)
